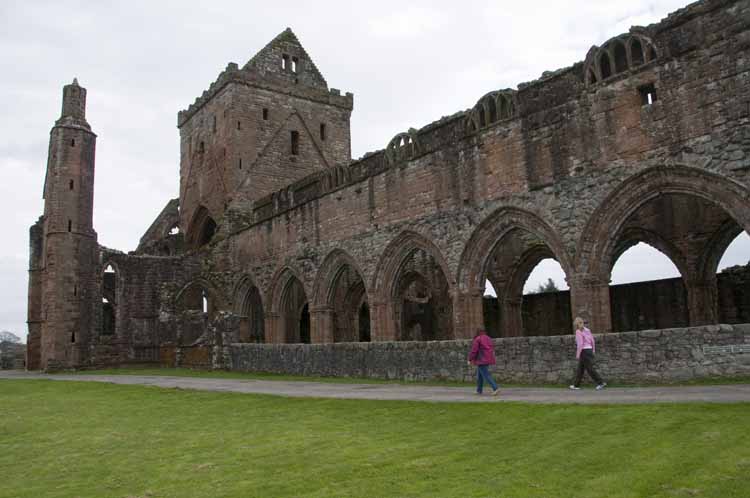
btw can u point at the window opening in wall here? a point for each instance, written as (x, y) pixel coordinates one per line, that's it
(75, 290)
(70, 184)
(636, 52)
(224, 152)
(322, 131)
(204, 302)
(202, 147)
(174, 230)
(239, 125)
(72, 337)
(295, 143)
(213, 127)
(240, 163)
(265, 114)
(70, 225)
(648, 94)
(295, 63)
(73, 142)
(285, 62)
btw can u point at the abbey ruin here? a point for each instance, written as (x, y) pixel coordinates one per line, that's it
(279, 239)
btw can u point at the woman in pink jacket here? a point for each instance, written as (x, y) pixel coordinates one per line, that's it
(482, 355)
(585, 348)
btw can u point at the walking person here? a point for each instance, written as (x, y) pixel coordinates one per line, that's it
(482, 355)
(585, 349)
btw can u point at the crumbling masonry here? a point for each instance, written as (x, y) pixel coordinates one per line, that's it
(278, 236)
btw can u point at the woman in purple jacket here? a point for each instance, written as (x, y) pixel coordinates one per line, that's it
(482, 355)
(585, 348)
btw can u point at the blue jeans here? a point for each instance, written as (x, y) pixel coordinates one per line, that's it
(483, 373)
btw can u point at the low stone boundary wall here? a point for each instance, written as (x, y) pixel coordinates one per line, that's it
(666, 355)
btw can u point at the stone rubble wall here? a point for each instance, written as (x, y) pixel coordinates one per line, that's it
(661, 356)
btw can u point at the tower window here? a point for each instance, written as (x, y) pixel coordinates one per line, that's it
(70, 226)
(295, 64)
(73, 142)
(72, 337)
(70, 184)
(213, 127)
(239, 125)
(322, 131)
(295, 143)
(75, 290)
(240, 164)
(265, 114)
(648, 94)
(285, 62)
(202, 148)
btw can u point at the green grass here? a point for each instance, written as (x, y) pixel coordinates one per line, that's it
(76, 439)
(222, 374)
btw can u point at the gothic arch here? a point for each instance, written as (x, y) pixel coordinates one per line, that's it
(632, 236)
(403, 146)
(603, 230)
(248, 305)
(289, 304)
(329, 271)
(716, 247)
(201, 228)
(187, 296)
(394, 256)
(339, 297)
(617, 55)
(398, 303)
(492, 107)
(487, 235)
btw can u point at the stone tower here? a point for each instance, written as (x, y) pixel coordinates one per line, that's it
(257, 129)
(64, 248)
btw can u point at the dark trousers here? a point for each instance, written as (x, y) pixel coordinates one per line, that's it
(586, 362)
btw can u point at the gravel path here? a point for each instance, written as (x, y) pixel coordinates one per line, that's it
(414, 392)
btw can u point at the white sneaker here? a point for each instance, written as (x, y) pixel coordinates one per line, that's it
(601, 386)
(575, 388)
(495, 392)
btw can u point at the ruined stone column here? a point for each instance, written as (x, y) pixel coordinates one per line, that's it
(321, 324)
(589, 299)
(272, 328)
(469, 313)
(382, 326)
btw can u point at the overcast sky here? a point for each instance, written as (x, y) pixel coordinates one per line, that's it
(407, 63)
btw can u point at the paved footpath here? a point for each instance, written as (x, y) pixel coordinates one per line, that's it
(414, 392)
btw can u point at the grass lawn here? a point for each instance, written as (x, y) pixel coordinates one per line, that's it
(76, 439)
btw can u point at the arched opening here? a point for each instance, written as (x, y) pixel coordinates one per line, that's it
(249, 307)
(413, 293)
(109, 301)
(492, 108)
(422, 303)
(647, 291)
(518, 266)
(690, 229)
(295, 313)
(621, 58)
(341, 295)
(202, 229)
(197, 298)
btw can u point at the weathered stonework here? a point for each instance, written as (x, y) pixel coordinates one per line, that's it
(280, 233)
(668, 355)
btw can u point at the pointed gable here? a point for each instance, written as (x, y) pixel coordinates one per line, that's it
(285, 57)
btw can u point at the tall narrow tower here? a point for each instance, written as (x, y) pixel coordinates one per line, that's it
(69, 246)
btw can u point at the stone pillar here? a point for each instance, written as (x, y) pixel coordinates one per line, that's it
(589, 299)
(468, 313)
(321, 324)
(382, 325)
(510, 317)
(272, 327)
(703, 301)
